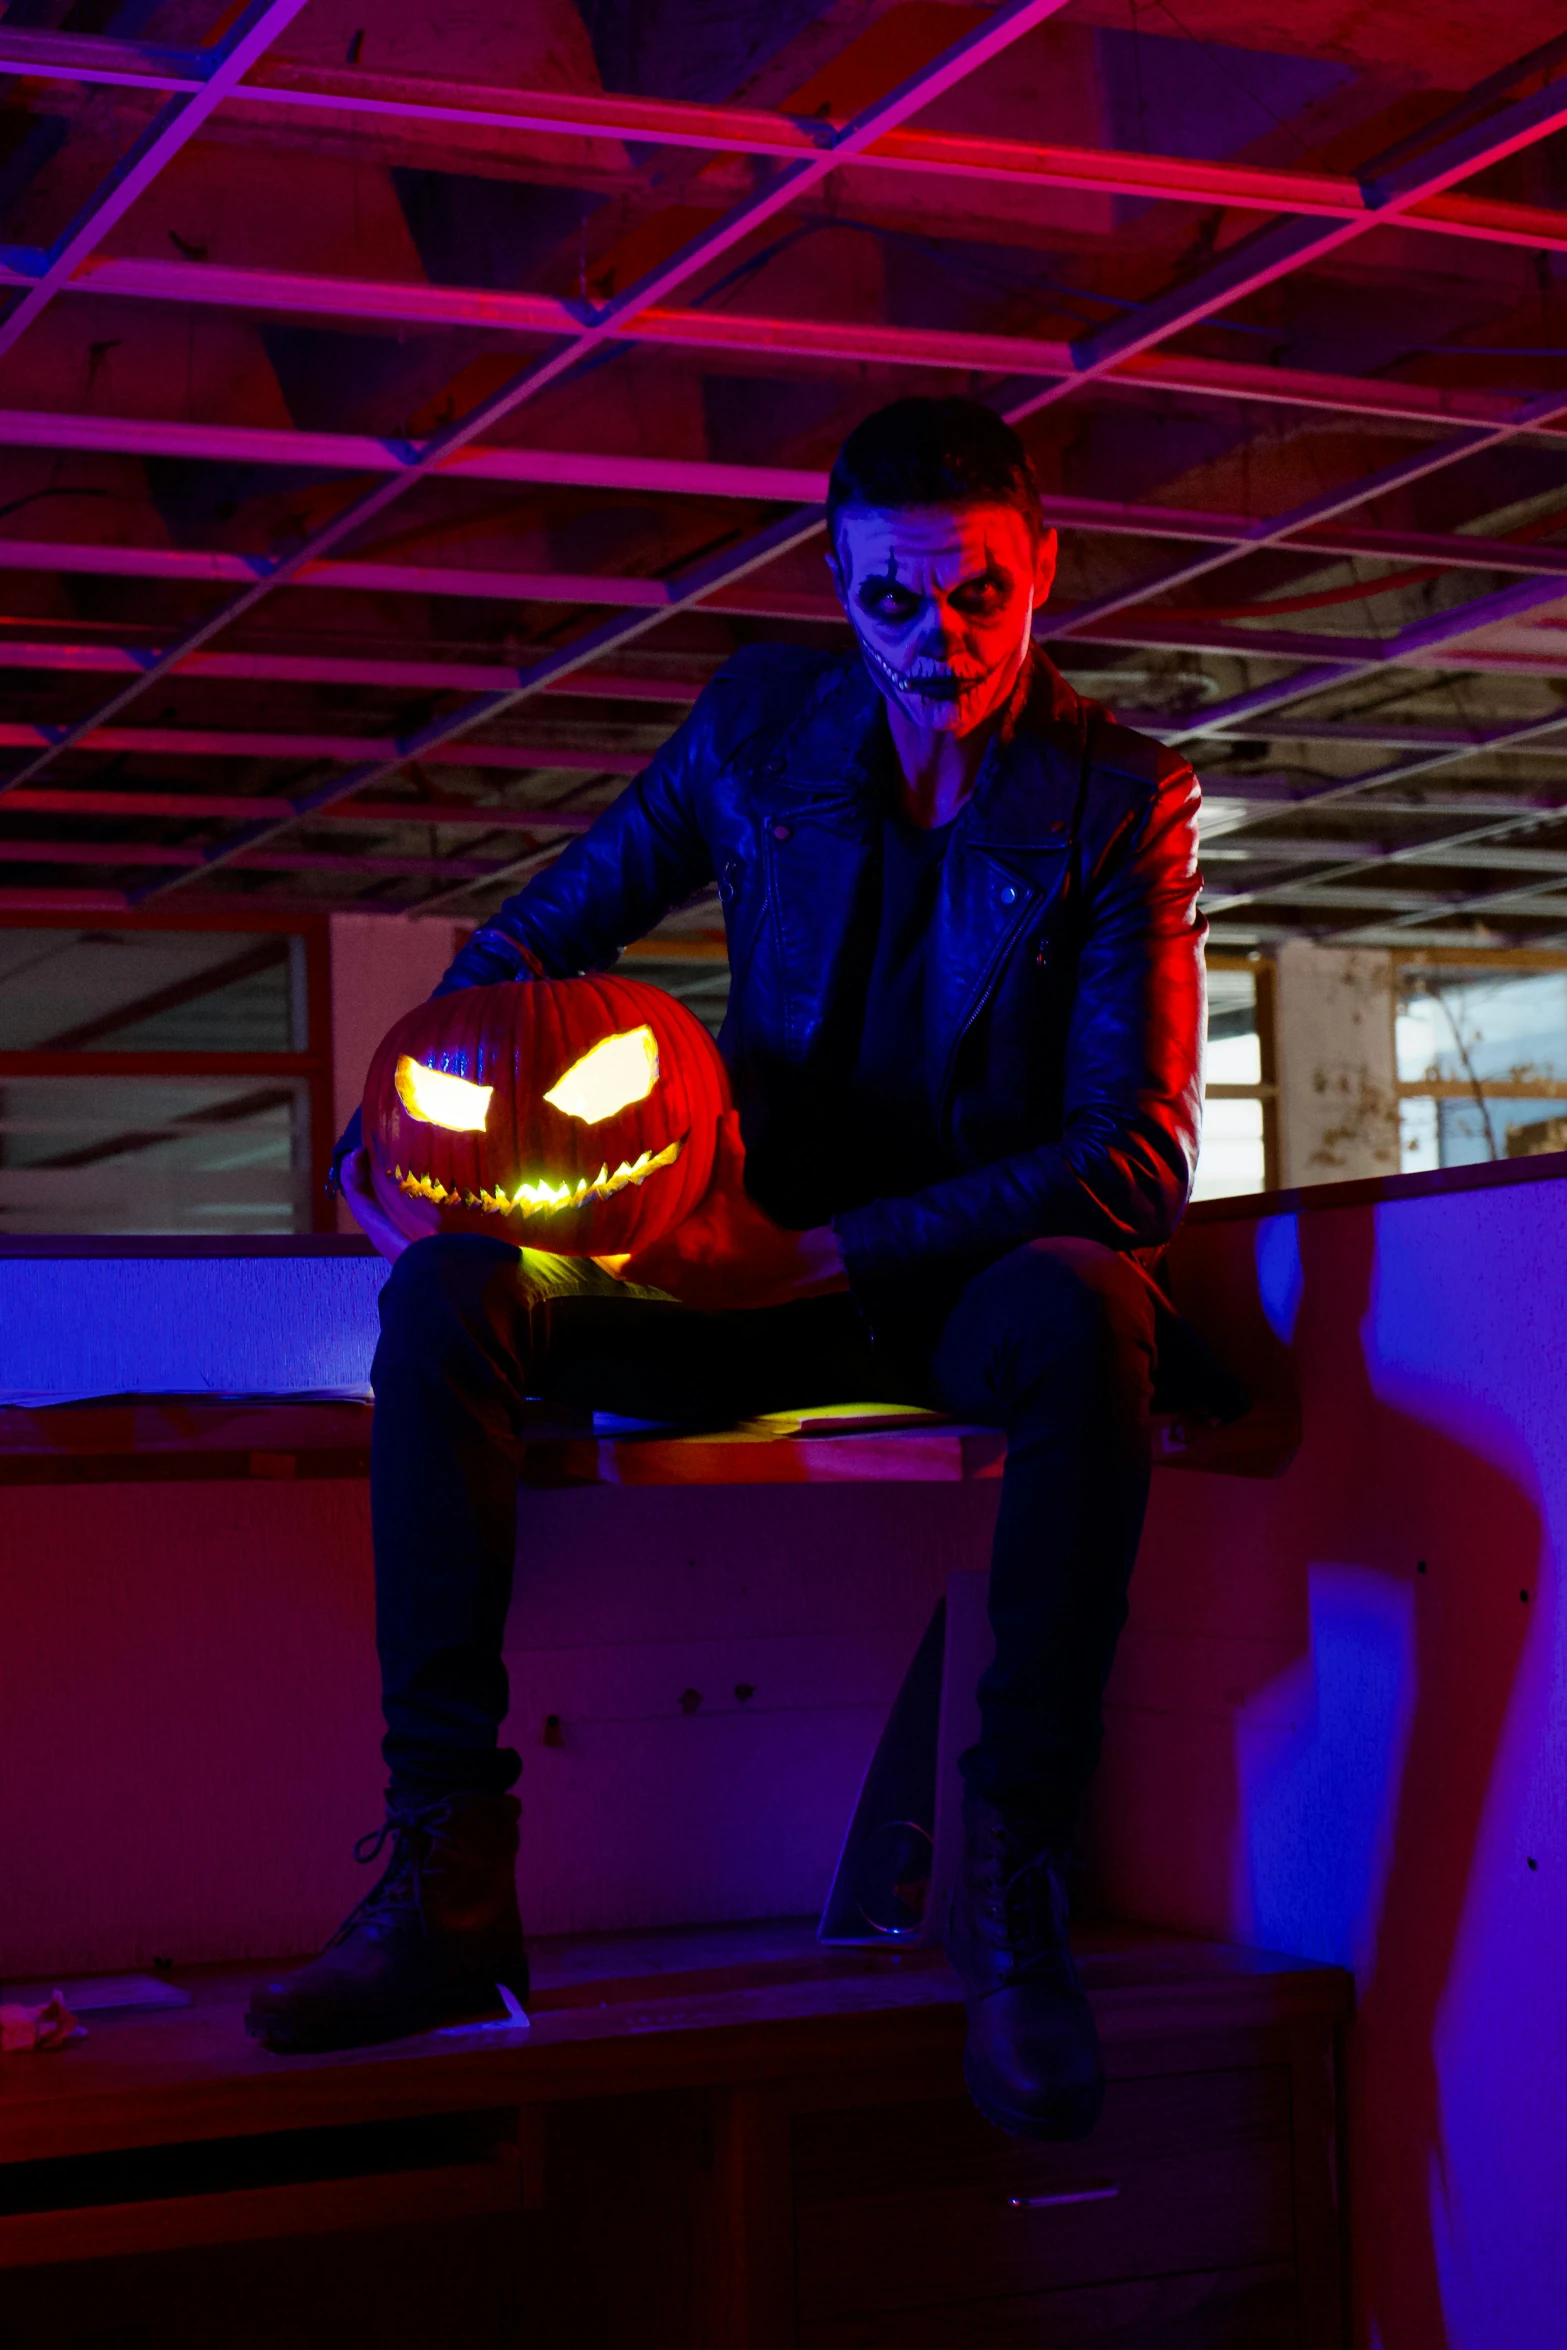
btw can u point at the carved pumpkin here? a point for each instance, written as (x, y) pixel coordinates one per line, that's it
(579, 1116)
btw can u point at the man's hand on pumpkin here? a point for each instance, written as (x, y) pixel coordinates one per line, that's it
(382, 1212)
(728, 1253)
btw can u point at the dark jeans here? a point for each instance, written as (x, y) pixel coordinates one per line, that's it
(1053, 1344)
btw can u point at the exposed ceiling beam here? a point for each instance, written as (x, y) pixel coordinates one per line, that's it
(1351, 857)
(89, 58)
(745, 334)
(233, 743)
(1371, 733)
(1516, 737)
(1277, 252)
(350, 453)
(1356, 856)
(980, 46)
(61, 800)
(1342, 657)
(1288, 246)
(1230, 798)
(1424, 644)
(195, 742)
(102, 658)
(1320, 886)
(1474, 160)
(1392, 906)
(112, 854)
(172, 128)
(732, 130)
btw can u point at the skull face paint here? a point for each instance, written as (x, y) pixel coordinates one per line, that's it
(942, 602)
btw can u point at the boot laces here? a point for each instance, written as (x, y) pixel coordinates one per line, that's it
(418, 1839)
(1024, 1906)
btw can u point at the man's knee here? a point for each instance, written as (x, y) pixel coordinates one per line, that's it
(1055, 1307)
(446, 1287)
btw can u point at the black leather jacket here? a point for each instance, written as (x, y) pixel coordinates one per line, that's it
(1065, 1053)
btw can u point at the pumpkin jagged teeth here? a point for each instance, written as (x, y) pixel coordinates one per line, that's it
(422, 1187)
(544, 1198)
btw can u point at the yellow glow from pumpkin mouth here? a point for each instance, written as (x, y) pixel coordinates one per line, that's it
(543, 1198)
(436, 1098)
(617, 1071)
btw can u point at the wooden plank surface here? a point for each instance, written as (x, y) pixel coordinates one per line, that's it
(900, 2207)
(151, 1438)
(1227, 2309)
(247, 2215)
(617, 2013)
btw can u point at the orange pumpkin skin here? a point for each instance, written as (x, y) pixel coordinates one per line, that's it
(521, 1040)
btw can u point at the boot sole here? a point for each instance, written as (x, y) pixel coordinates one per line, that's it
(321, 2036)
(1074, 2116)
(283, 2039)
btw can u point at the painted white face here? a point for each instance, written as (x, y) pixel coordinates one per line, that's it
(942, 600)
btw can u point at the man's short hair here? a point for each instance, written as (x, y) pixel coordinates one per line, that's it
(923, 452)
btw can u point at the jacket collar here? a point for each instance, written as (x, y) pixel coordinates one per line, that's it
(1028, 783)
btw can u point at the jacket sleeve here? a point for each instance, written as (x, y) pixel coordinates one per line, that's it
(1121, 1172)
(645, 855)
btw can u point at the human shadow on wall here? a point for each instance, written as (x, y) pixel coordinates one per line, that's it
(1408, 1553)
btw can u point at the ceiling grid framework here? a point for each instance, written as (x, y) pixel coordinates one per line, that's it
(1357, 409)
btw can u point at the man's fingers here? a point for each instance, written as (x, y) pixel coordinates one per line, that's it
(383, 1215)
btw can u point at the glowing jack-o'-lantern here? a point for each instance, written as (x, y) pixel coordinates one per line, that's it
(578, 1116)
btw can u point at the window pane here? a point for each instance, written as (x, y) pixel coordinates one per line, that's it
(1231, 1158)
(1234, 1056)
(1494, 1026)
(152, 991)
(154, 1154)
(1459, 1133)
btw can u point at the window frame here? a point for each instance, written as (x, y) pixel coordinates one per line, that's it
(314, 1065)
(1478, 960)
(1266, 1089)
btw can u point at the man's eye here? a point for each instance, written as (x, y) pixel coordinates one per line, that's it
(980, 595)
(889, 602)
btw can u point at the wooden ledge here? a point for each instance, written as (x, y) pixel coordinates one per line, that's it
(136, 1439)
(158, 1439)
(612, 2014)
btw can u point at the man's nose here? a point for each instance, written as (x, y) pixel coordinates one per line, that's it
(943, 634)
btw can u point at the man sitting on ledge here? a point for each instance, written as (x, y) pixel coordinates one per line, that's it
(964, 1033)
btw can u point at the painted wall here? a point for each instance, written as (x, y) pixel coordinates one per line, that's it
(1339, 1723)
(382, 965)
(1338, 1091)
(85, 1325)
(189, 1725)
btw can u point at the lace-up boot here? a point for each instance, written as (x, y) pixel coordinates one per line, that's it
(431, 1940)
(1032, 2063)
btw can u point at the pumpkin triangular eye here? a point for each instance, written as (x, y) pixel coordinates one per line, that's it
(618, 1071)
(436, 1098)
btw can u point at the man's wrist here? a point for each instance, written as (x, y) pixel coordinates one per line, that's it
(823, 1258)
